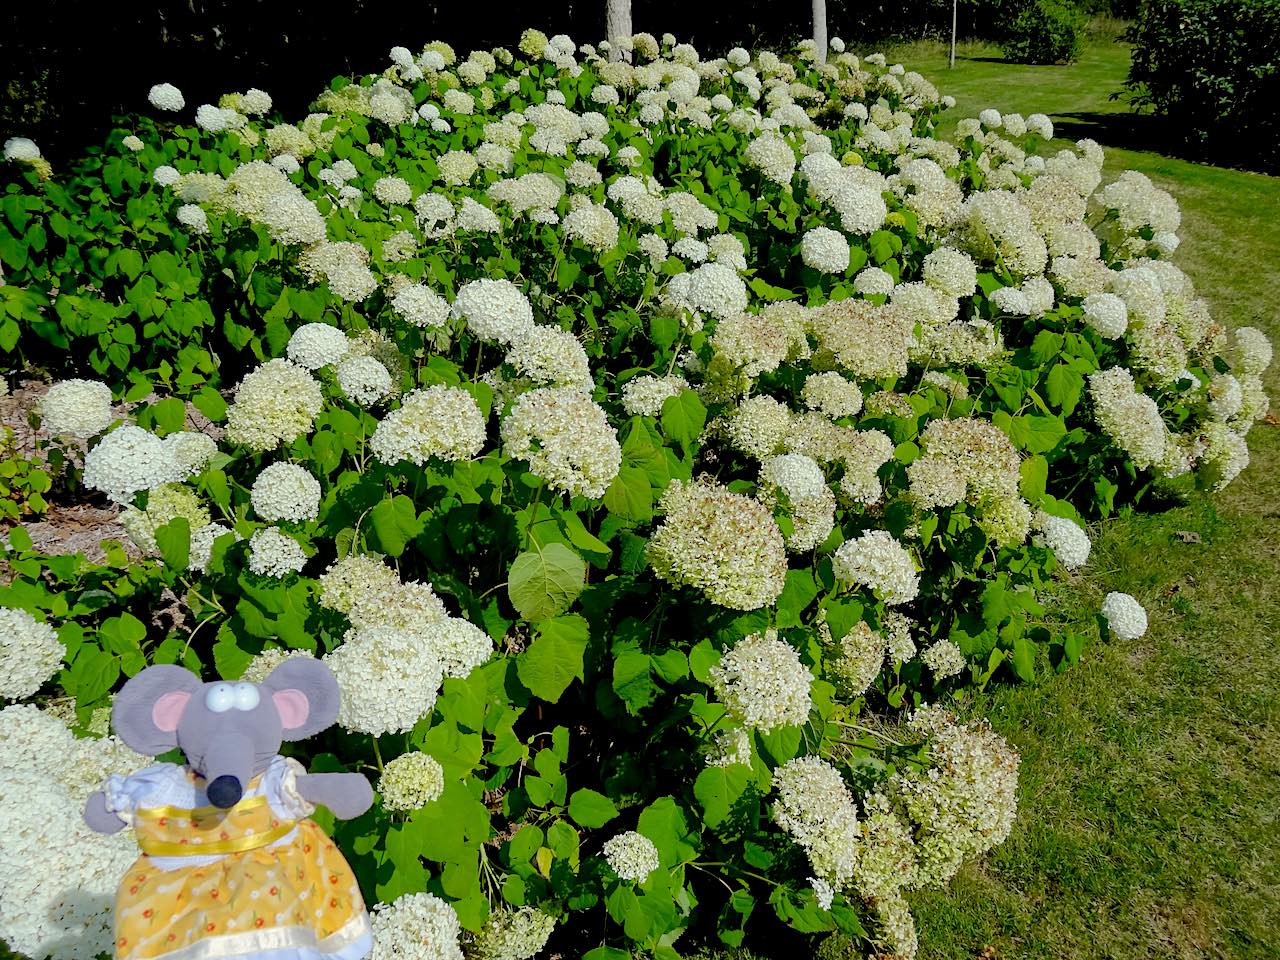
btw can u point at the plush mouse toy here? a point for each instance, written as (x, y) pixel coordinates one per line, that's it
(231, 867)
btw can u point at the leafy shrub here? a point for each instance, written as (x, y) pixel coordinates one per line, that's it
(652, 465)
(1212, 67)
(1045, 31)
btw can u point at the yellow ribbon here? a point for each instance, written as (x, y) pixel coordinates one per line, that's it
(199, 813)
(157, 848)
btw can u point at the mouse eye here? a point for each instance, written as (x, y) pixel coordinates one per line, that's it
(246, 696)
(220, 698)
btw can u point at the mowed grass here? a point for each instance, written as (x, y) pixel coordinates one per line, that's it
(1150, 780)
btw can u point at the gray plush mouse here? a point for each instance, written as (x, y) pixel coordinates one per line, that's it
(230, 865)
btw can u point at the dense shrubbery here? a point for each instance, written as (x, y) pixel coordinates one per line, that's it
(1044, 31)
(639, 445)
(1212, 68)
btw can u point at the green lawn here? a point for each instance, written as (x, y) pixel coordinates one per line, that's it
(1151, 771)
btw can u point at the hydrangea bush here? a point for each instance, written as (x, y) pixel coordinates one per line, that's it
(652, 447)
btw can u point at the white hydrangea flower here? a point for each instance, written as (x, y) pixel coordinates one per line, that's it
(393, 190)
(440, 421)
(815, 808)
(872, 281)
(593, 226)
(1125, 616)
(30, 653)
(513, 934)
(165, 175)
(388, 680)
(21, 150)
(832, 393)
(365, 380)
(76, 408)
(944, 658)
(59, 876)
(632, 855)
(876, 560)
(273, 553)
(645, 395)
(763, 683)
(410, 782)
(951, 272)
(772, 156)
(566, 439)
(965, 802)
(165, 96)
(132, 143)
(193, 218)
(712, 288)
(825, 250)
(275, 403)
(421, 306)
(551, 356)
(285, 491)
(494, 309)
(202, 541)
(1069, 543)
(128, 460)
(1107, 314)
(317, 345)
(724, 544)
(417, 926)
(164, 504)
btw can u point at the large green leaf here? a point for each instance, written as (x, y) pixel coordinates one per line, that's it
(591, 809)
(395, 522)
(683, 417)
(554, 659)
(544, 581)
(718, 789)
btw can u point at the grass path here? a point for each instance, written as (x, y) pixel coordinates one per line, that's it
(1150, 784)
(1151, 771)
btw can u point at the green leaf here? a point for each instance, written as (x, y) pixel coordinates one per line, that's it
(1024, 658)
(1036, 434)
(1035, 475)
(683, 417)
(395, 522)
(633, 681)
(717, 789)
(629, 495)
(591, 809)
(554, 659)
(663, 822)
(797, 593)
(1064, 387)
(92, 675)
(544, 582)
(174, 541)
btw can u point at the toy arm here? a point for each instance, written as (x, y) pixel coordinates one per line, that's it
(98, 817)
(347, 794)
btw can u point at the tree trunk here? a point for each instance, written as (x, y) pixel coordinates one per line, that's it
(617, 23)
(820, 31)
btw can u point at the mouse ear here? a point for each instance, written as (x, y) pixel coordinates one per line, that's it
(148, 710)
(305, 694)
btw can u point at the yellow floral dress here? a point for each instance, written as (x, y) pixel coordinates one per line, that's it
(257, 880)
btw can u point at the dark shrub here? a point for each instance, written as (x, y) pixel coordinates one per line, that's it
(1045, 31)
(1213, 68)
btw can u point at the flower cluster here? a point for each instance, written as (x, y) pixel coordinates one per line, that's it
(763, 683)
(721, 543)
(411, 781)
(631, 855)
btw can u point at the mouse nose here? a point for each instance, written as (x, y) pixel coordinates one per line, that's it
(224, 792)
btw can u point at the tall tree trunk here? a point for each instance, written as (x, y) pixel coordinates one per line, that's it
(617, 23)
(820, 30)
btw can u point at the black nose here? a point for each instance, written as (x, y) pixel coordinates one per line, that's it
(224, 792)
